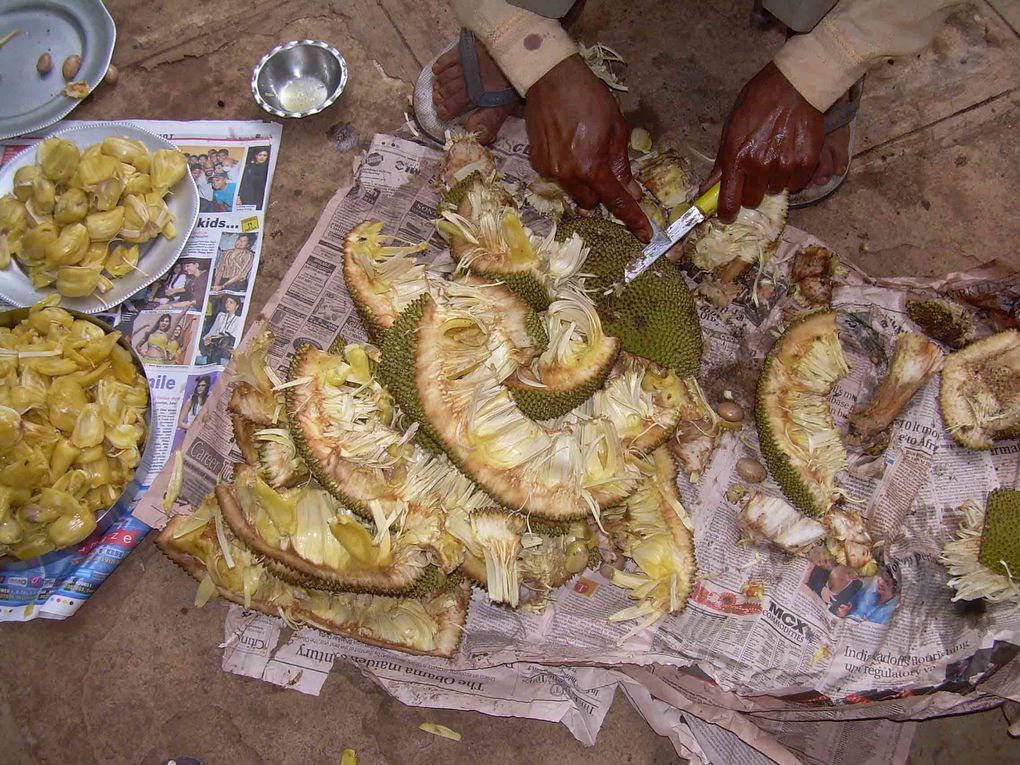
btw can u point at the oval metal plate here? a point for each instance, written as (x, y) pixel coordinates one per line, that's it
(155, 257)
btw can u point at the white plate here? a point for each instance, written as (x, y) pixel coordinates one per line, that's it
(155, 257)
(61, 28)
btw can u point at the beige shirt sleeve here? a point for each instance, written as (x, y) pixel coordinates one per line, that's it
(823, 64)
(524, 44)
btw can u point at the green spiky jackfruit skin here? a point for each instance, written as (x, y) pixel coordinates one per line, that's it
(452, 198)
(1000, 537)
(296, 434)
(431, 579)
(536, 331)
(526, 285)
(546, 404)
(548, 528)
(373, 326)
(943, 321)
(654, 316)
(785, 474)
(336, 348)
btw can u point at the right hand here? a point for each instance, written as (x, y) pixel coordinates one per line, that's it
(579, 138)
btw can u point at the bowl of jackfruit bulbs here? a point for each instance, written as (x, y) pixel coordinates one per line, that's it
(92, 215)
(74, 426)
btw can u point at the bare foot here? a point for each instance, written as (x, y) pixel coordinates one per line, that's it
(449, 93)
(835, 156)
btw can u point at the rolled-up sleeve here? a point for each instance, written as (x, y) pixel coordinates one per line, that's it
(823, 64)
(523, 44)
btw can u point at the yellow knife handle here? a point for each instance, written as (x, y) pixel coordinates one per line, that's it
(708, 202)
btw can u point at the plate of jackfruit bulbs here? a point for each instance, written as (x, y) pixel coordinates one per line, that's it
(93, 214)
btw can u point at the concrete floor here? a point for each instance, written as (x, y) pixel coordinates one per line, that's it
(135, 677)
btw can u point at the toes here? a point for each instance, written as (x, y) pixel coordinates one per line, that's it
(447, 60)
(485, 123)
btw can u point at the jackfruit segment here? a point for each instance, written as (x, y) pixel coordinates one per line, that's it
(278, 460)
(554, 473)
(311, 534)
(244, 436)
(223, 565)
(668, 177)
(984, 558)
(654, 316)
(980, 393)
(658, 537)
(848, 541)
(775, 521)
(751, 238)
(547, 198)
(801, 446)
(382, 279)
(499, 538)
(488, 238)
(573, 367)
(942, 320)
(341, 421)
(915, 359)
(463, 157)
(257, 407)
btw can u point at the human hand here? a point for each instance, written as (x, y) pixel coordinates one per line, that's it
(579, 138)
(771, 141)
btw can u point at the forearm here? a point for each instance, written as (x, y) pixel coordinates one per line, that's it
(523, 44)
(823, 64)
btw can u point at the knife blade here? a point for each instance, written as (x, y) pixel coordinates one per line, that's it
(662, 240)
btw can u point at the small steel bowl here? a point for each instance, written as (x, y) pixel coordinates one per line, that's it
(299, 78)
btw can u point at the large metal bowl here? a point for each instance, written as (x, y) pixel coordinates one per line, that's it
(104, 518)
(299, 78)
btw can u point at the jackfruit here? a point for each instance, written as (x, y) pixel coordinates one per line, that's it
(654, 316)
(814, 268)
(668, 177)
(575, 365)
(943, 320)
(915, 359)
(984, 558)
(980, 392)
(656, 533)
(464, 156)
(799, 442)
(382, 279)
(729, 249)
(296, 529)
(773, 520)
(432, 625)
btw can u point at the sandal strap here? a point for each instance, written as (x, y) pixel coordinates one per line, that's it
(477, 94)
(841, 115)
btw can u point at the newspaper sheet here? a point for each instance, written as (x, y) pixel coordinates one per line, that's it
(184, 327)
(758, 634)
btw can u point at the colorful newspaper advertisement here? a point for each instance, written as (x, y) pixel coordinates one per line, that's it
(184, 327)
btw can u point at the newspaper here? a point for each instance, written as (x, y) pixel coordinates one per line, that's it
(184, 327)
(759, 650)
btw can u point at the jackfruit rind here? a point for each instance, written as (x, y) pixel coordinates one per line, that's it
(1000, 538)
(798, 440)
(962, 556)
(980, 392)
(320, 442)
(654, 316)
(433, 626)
(942, 320)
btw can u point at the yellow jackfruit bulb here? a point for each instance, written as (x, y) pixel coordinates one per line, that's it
(107, 194)
(44, 194)
(35, 241)
(122, 260)
(77, 281)
(71, 207)
(10, 531)
(9, 248)
(95, 169)
(72, 528)
(23, 179)
(168, 166)
(89, 429)
(139, 183)
(95, 256)
(104, 226)
(70, 247)
(32, 545)
(64, 455)
(123, 364)
(58, 159)
(124, 149)
(41, 277)
(65, 399)
(10, 427)
(13, 216)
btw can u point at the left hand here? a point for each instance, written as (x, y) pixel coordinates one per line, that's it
(771, 141)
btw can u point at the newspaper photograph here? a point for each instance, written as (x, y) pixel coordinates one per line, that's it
(184, 328)
(770, 643)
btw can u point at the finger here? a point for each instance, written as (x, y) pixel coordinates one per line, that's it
(583, 194)
(755, 184)
(635, 189)
(731, 189)
(778, 180)
(617, 198)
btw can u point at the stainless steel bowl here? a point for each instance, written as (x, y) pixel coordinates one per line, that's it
(132, 489)
(299, 78)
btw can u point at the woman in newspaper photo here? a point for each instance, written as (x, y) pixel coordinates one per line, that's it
(165, 340)
(256, 175)
(193, 405)
(234, 264)
(218, 343)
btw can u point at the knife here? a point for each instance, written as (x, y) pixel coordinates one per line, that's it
(703, 207)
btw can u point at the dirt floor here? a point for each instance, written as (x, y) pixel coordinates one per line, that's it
(135, 676)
